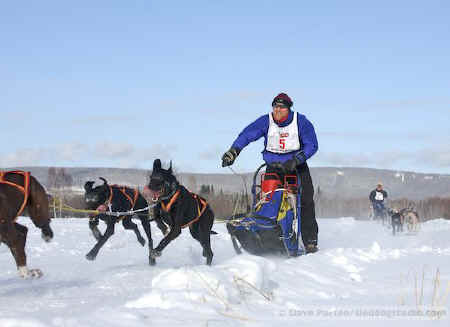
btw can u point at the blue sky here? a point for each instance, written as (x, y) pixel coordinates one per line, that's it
(120, 83)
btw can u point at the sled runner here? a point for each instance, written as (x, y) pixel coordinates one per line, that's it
(273, 224)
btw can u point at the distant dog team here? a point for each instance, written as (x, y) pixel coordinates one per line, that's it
(404, 216)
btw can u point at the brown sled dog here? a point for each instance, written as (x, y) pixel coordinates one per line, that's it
(19, 191)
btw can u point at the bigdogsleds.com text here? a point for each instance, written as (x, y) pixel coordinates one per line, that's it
(366, 313)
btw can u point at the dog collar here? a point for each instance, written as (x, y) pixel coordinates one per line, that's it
(168, 196)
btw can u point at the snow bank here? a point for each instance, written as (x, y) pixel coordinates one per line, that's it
(360, 264)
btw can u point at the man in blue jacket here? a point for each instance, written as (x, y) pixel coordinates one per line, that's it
(289, 139)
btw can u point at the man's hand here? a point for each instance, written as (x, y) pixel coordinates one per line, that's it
(229, 157)
(290, 165)
(296, 160)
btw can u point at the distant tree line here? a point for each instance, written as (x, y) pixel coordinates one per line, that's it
(227, 204)
(429, 208)
(59, 178)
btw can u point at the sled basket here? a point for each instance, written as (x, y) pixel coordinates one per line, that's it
(272, 227)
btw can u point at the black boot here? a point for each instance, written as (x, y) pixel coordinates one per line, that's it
(311, 248)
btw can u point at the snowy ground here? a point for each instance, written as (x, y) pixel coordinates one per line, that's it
(361, 266)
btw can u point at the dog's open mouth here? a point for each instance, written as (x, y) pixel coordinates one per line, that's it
(102, 208)
(153, 195)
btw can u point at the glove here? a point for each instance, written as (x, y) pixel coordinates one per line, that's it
(296, 160)
(229, 157)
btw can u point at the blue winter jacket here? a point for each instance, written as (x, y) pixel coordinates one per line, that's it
(260, 127)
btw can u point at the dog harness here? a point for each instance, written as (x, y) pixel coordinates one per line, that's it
(172, 200)
(25, 189)
(201, 206)
(123, 190)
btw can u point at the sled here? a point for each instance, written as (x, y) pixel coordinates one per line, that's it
(272, 226)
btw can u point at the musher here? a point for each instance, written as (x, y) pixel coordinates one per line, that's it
(290, 139)
(377, 197)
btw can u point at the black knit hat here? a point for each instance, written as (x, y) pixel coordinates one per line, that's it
(284, 99)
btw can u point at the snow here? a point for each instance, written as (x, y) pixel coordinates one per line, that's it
(358, 277)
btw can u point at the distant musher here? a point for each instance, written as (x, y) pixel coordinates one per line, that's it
(377, 197)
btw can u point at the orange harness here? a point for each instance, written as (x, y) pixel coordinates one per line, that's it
(25, 189)
(123, 189)
(201, 206)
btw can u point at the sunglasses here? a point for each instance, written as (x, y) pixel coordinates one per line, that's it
(280, 105)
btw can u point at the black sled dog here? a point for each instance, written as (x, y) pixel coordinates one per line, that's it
(117, 199)
(179, 208)
(396, 220)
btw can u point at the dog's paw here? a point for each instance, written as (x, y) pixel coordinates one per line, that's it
(26, 273)
(91, 256)
(155, 253)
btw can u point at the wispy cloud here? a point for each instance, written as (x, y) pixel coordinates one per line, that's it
(211, 153)
(438, 156)
(164, 152)
(113, 150)
(125, 155)
(403, 105)
(23, 157)
(117, 154)
(370, 134)
(412, 102)
(69, 151)
(435, 157)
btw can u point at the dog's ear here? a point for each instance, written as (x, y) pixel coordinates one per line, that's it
(170, 168)
(104, 181)
(156, 164)
(88, 186)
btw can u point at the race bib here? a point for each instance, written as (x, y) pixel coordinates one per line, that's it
(283, 139)
(379, 196)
